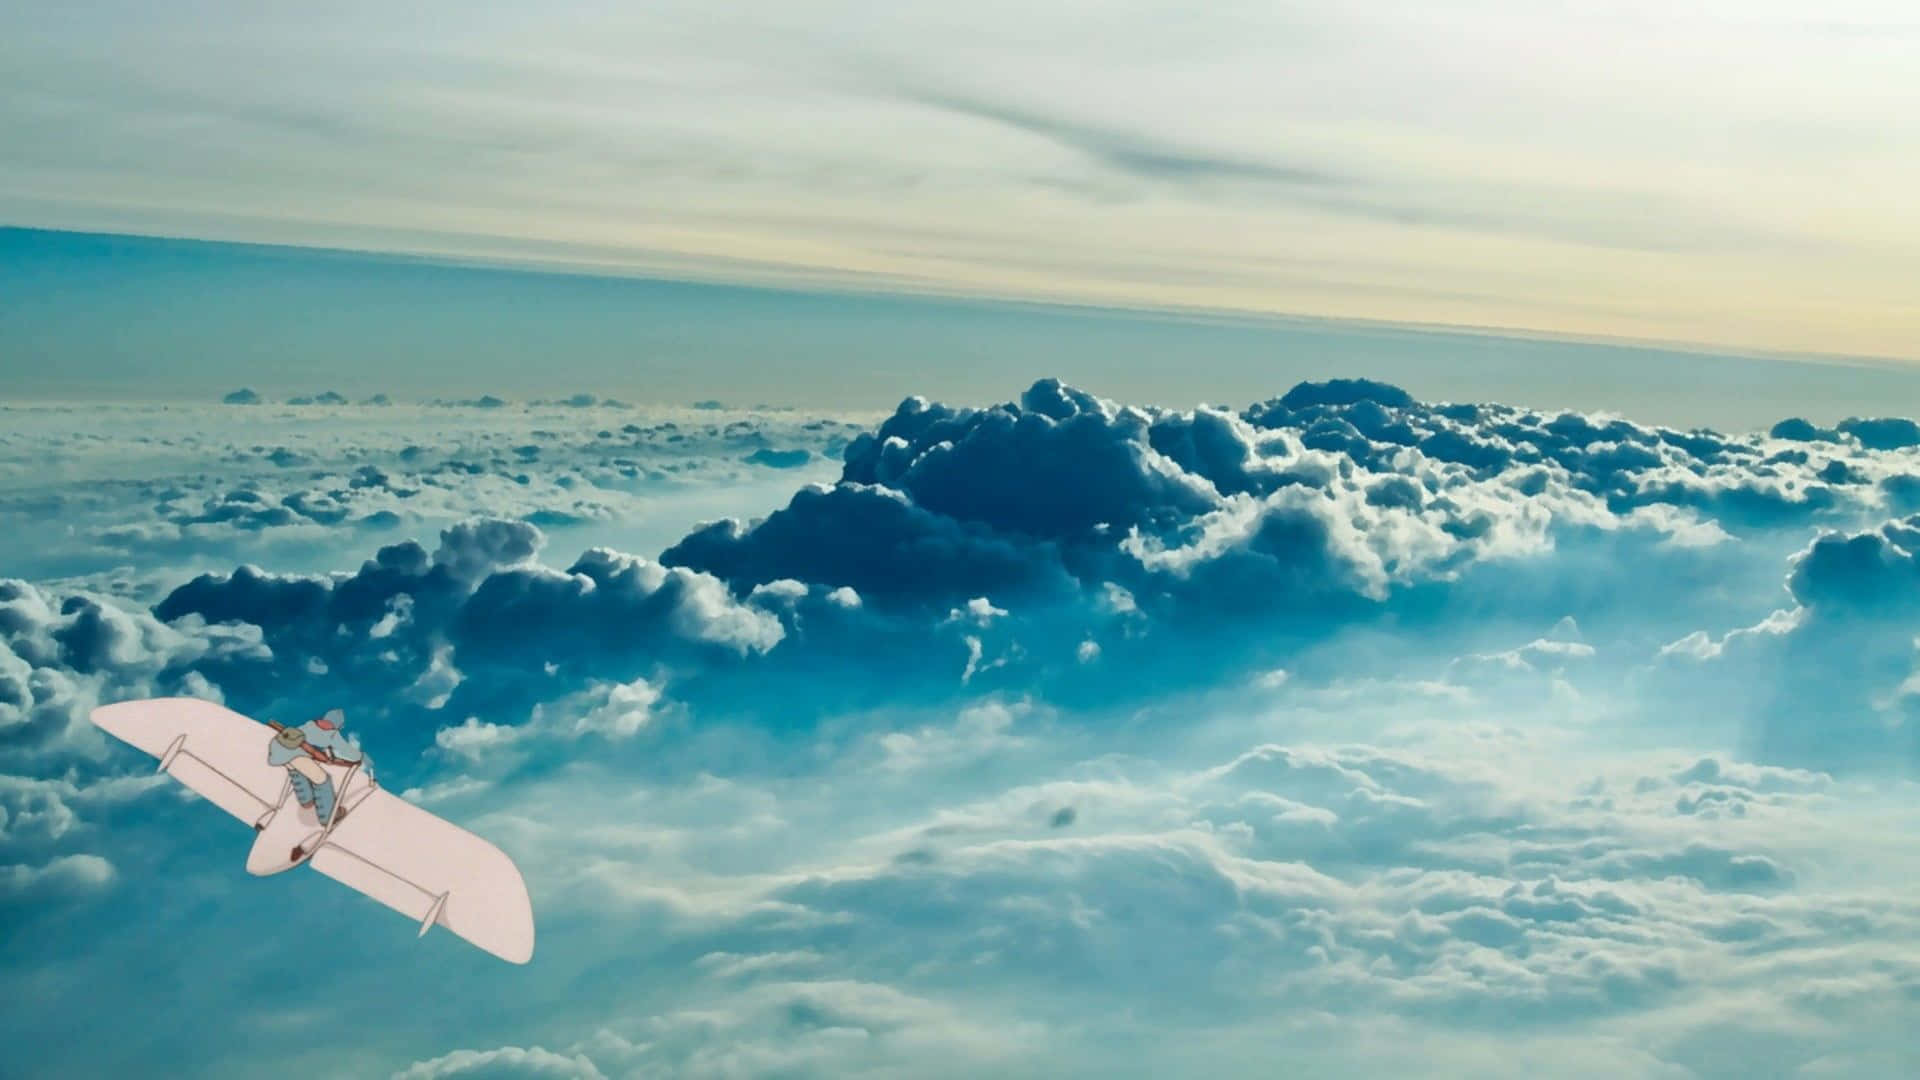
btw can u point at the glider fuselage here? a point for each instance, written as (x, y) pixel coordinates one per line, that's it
(291, 827)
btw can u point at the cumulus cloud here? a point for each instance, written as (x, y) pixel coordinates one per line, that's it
(626, 708)
(1342, 489)
(1089, 549)
(1335, 507)
(473, 549)
(480, 625)
(58, 662)
(1522, 737)
(64, 877)
(1115, 548)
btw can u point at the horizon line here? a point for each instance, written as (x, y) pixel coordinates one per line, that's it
(817, 281)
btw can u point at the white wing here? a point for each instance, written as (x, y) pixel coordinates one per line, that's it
(433, 870)
(217, 752)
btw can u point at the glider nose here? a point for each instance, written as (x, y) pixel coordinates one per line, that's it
(268, 855)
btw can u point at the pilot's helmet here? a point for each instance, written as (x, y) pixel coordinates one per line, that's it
(290, 737)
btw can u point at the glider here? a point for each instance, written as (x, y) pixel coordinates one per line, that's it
(375, 842)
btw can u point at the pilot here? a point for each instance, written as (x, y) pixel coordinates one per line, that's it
(297, 749)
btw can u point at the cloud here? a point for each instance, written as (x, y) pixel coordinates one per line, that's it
(1868, 574)
(56, 663)
(473, 549)
(478, 626)
(820, 1028)
(1131, 154)
(64, 877)
(979, 732)
(1265, 530)
(1829, 682)
(627, 708)
(182, 488)
(1341, 721)
(1240, 541)
(505, 1063)
(1334, 882)
(870, 539)
(1890, 433)
(779, 459)
(1798, 429)
(602, 596)
(1290, 179)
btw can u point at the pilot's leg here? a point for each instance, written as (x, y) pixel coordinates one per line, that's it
(323, 799)
(315, 777)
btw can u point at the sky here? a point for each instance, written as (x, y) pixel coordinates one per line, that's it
(92, 317)
(1730, 172)
(1110, 540)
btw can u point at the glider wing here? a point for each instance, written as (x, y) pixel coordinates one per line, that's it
(218, 753)
(432, 870)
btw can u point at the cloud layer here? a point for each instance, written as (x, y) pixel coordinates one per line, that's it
(1054, 737)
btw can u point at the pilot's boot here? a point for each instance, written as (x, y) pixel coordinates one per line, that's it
(323, 801)
(303, 790)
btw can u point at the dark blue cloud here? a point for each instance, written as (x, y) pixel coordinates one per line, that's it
(1887, 433)
(779, 459)
(1796, 429)
(1058, 465)
(1344, 392)
(1869, 573)
(1186, 509)
(877, 541)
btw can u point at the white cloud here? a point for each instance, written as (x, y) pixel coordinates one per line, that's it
(505, 1063)
(196, 487)
(627, 708)
(66, 875)
(978, 731)
(475, 739)
(436, 684)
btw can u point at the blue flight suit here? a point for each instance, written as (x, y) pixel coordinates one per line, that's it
(323, 734)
